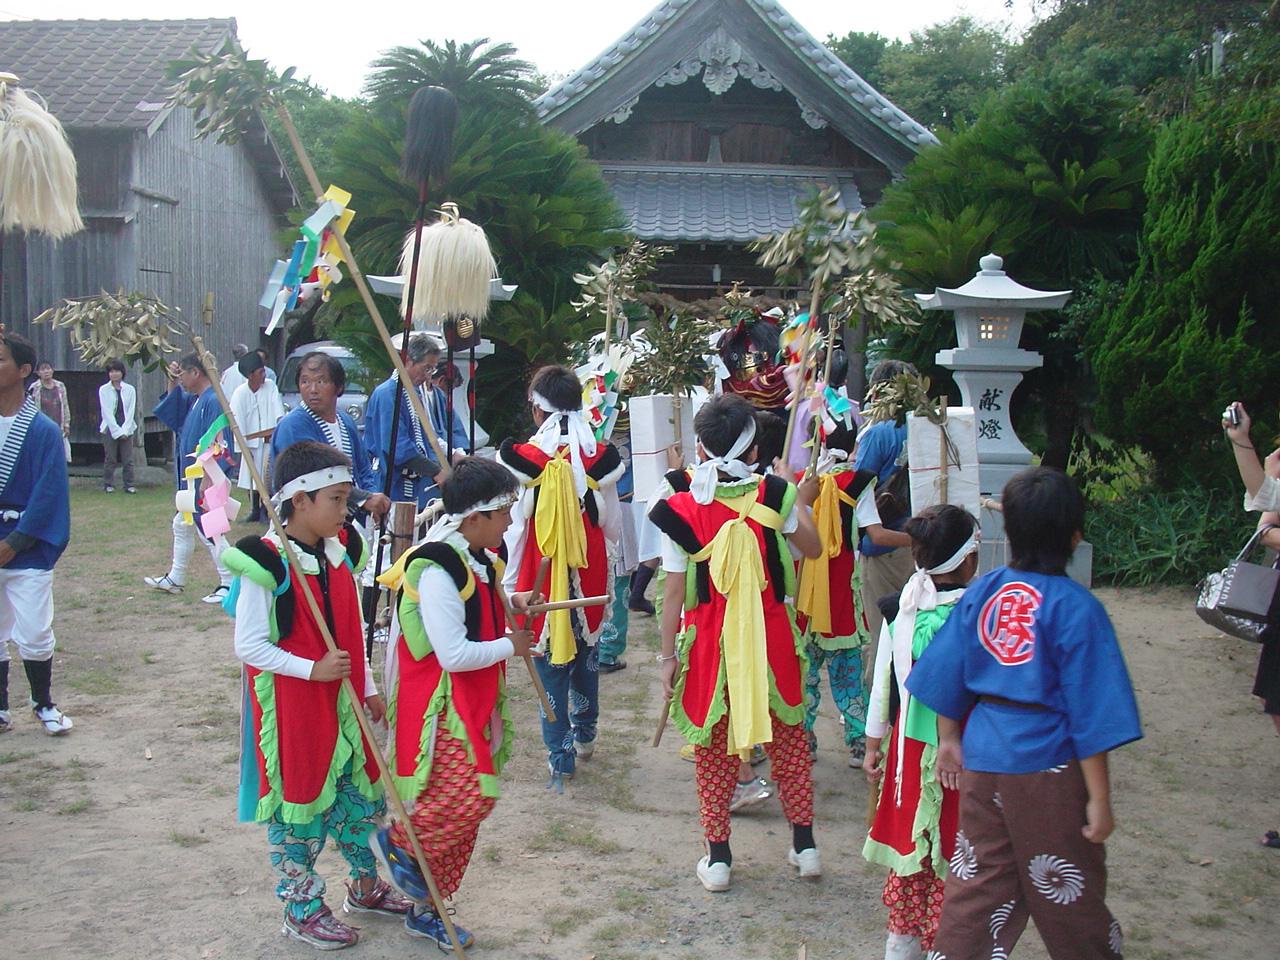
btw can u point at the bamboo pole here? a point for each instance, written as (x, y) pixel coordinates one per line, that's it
(662, 721)
(538, 580)
(943, 464)
(826, 380)
(209, 363)
(577, 604)
(415, 401)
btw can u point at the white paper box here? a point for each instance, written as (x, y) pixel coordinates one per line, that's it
(924, 457)
(653, 429)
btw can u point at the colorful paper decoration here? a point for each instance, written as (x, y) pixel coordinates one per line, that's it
(313, 264)
(220, 510)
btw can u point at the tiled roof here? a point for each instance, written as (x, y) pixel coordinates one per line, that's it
(103, 73)
(822, 61)
(716, 204)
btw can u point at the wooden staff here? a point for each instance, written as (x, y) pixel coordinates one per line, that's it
(299, 578)
(524, 624)
(576, 604)
(366, 296)
(662, 721)
(826, 379)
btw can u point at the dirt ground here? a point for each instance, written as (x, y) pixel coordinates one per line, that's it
(120, 841)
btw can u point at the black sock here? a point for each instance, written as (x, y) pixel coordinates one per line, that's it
(802, 837)
(40, 676)
(640, 583)
(720, 852)
(4, 684)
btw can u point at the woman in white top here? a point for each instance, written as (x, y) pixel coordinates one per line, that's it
(118, 402)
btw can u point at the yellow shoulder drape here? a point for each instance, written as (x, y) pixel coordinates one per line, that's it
(814, 595)
(562, 536)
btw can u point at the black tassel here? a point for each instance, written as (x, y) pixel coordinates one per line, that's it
(428, 138)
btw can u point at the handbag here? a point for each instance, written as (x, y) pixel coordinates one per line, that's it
(1238, 599)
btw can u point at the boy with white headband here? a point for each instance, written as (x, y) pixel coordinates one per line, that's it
(306, 769)
(1030, 663)
(567, 512)
(738, 678)
(450, 729)
(913, 833)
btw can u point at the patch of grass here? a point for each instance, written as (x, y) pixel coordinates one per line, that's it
(187, 840)
(492, 855)
(1210, 921)
(28, 805)
(95, 681)
(569, 920)
(561, 834)
(630, 901)
(16, 756)
(77, 770)
(76, 807)
(149, 658)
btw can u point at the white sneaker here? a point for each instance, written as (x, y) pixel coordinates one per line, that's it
(55, 721)
(163, 584)
(806, 861)
(714, 876)
(750, 793)
(584, 750)
(899, 946)
(6, 722)
(217, 596)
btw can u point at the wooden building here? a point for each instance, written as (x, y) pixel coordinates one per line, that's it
(712, 119)
(164, 213)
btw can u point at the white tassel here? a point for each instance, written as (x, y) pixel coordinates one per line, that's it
(37, 167)
(455, 266)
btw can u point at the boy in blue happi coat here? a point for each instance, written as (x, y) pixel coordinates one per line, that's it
(35, 525)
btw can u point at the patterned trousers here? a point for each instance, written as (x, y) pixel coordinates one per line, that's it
(574, 691)
(613, 634)
(715, 773)
(448, 814)
(844, 671)
(915, 905)
(1020, 854)
(295, 847)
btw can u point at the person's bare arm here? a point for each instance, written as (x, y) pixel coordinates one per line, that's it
(1099, 821)
(1251, 471)
(950, 753)
(882, 536)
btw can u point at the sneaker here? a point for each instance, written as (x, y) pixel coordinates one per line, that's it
(219, 594)
(130, 489)
(55, 721)
(585, 750)
(163, 583)
(857, 753)
(686, 753)
(750, 793)
(714, 876)
(398, 865)
(108, 489)
(429, 926)
(381, 899)
(6, 722)
(563, 775)
(806, 861)
(322, 930)
(612, 666)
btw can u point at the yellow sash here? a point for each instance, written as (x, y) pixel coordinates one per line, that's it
(562, 536)
(737, 572)
(814, 596)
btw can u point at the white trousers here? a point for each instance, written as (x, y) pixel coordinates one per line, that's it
(26, 613)
(184, 541)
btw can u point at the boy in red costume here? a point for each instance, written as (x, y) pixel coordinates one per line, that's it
(306, 769)
(450, 730)
(568, 511)
(738, 678)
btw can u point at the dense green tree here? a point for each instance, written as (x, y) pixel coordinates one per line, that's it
(1198, 324)
(320, 119)
(544, 206)
(863, 52)
(1049, 178)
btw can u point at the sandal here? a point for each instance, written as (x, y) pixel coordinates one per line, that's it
(1271, 839)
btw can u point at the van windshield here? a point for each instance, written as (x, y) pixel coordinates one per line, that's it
(357, 375)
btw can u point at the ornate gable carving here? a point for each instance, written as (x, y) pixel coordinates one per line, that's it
(721, 60)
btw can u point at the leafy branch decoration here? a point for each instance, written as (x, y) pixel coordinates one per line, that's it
(226, 90)
(131, 326)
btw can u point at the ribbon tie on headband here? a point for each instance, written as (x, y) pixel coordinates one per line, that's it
(706, 473)
(737, 572)
(562, 537)
(814, 595)
(570, 428)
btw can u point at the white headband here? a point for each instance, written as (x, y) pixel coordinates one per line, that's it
(315, 480)
(953, 562)
(705, 474)
(447, 524)
(581, 438)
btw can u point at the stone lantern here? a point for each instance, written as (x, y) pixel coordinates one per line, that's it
(988, 364)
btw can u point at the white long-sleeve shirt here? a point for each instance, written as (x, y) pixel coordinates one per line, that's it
(253, 639)
(1267, 498)
(444, 619)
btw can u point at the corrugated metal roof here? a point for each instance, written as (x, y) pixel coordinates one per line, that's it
(103, 73)
(824, 64)
(716, 204)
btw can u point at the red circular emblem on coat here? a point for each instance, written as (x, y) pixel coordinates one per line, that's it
(1007, 627)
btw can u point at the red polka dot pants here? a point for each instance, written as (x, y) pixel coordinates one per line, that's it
(915, 905)
(448, 814)
(716, 774)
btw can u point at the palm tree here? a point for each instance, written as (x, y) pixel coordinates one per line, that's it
(480, 74)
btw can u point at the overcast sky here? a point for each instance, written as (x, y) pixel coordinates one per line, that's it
(326, 44)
